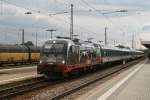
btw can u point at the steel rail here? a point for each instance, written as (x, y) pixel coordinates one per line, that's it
(24, 87)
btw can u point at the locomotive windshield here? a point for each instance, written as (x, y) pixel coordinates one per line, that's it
(57, 48)
(54, 52)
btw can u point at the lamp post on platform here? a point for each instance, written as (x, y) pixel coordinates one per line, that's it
(22, 36)
(51, 30)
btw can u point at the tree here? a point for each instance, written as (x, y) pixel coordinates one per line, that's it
(29, 43)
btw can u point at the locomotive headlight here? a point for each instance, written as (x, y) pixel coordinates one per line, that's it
(63, 62)
(40, 61)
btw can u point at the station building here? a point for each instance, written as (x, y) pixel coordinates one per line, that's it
(147, 45)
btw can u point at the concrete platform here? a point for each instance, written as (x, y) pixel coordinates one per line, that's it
(18, 70)
(133, 84)
(17, 74)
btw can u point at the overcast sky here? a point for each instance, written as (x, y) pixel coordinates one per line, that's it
(88, 20)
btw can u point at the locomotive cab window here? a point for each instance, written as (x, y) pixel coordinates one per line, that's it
(54, 52)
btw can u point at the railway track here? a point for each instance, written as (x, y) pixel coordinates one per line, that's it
(110, 72)
(23, 87)
(64, 87)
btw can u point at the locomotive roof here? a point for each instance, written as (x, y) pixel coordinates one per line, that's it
(61, 40)
(67, 40)
(86, 44)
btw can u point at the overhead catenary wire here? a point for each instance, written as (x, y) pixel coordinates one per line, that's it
(51, 15)
(103, 14)
(61, 19)
(8, 2)
(1, 3)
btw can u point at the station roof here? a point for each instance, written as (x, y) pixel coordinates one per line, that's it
(146, 44)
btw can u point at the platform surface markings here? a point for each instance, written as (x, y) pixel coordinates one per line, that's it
(115, 87)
